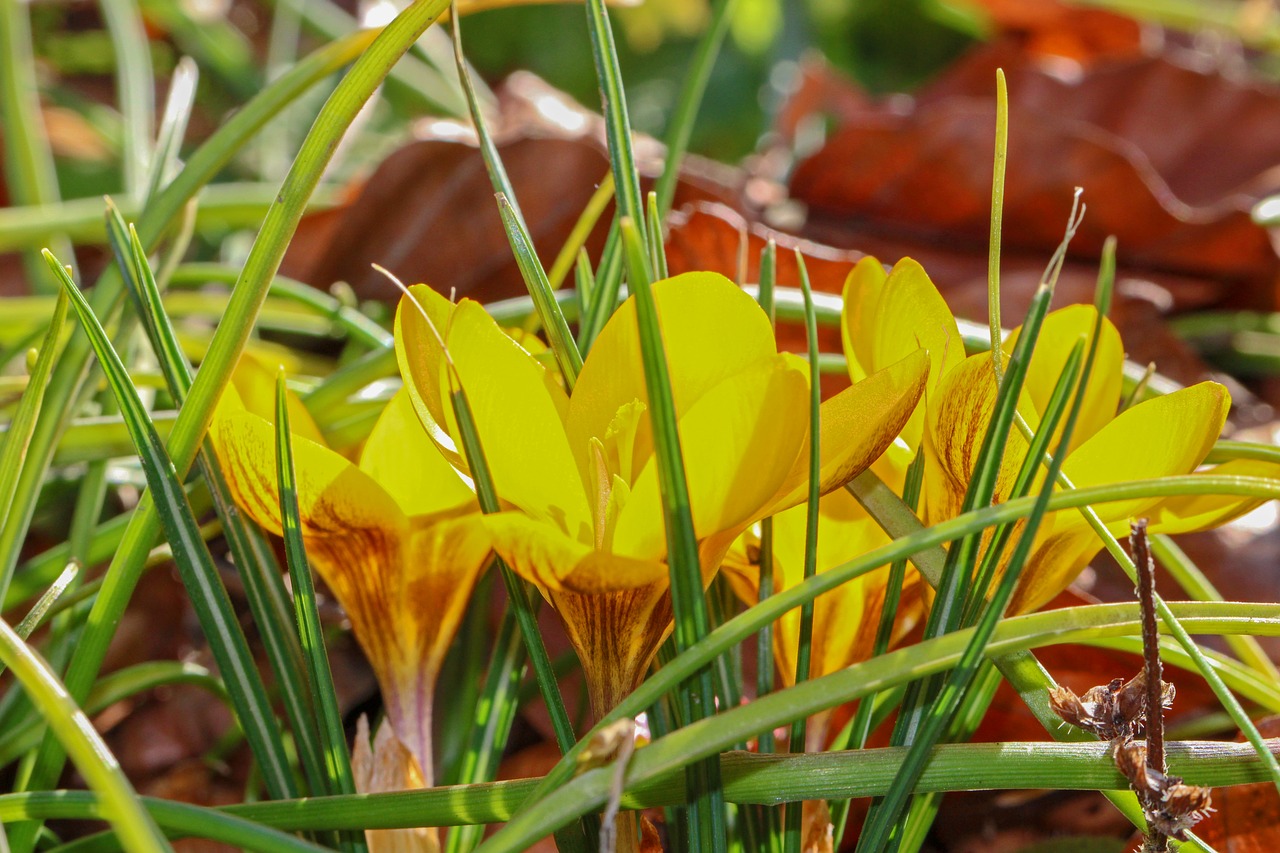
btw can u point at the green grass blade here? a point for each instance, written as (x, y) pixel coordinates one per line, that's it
(997, 217)
(617, 122)
(256, 562)
(135, 90)
(792, 837)
(380, 51)
(691, 93)
(324, 697)
(574, 244)
(18, 436)
(1198, 585)
(494, 714)
(30, 177)
(519, 600)
(884, 817)
(173, 125)
(114, 687)
(535, 277)
(688, 604)
(91, 756)
(208, 596)
(657, 252)
(36, 615)
(764, 640)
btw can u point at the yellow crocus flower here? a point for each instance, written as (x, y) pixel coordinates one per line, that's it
(579, 471)
(398, 538)
(1166, 435)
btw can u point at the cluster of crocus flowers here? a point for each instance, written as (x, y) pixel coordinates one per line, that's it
(577, 468)
(1162, 436)
(398, 539)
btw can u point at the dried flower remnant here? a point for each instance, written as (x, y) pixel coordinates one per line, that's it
(1120, 711)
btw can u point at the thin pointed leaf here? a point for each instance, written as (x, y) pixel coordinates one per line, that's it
(333, 738)
(264, 588)
(208, 596)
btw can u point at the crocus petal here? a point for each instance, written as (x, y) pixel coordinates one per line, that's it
(700, 354)
(1159, 437)
(334, 496)
(517, 404)
(856, 426)
(422, 320)
(1062, 549)
(911, 314)
(1059, 334)
(861, 295)
(541, 553)
(958, 415)
(1201, 512)
(255, 382)
(738, 442)
(399, 456)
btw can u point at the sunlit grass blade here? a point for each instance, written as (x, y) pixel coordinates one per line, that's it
(91, 756)
(114, 687)
(764, 640)
(17, 437)
(519, 599)
(617, 122)
(657, 251)
(36, 615)
(173, 125)
(376, 52)
(254, 558)
(333, 738)
(792, 837)
(208, 596)
(494, 714)
(680, 126)
(201, 167)
(882, 820)
(535, 277)
(688, 604)
(1199, 587)
(997, 217)
(573, 249)
(30, 176)
(135, 89)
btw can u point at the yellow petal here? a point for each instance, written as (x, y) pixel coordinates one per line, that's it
(711, 330)
(861, 295)
(541, 553)
(738, 442)
(402, 458)
(911, 314)
(422, 321)
(334, 496)
(255, 383)
(1061, 330)
(1062, 549)
(856, 426)
(958, 415)
(1161, 436)
(517, 404)
(1202, 512)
